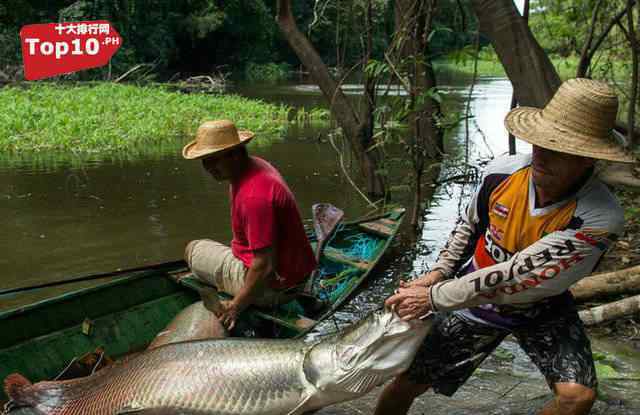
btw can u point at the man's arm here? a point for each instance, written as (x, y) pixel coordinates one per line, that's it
(459, 247)
(256, 278)
(544, 269)
(262, 267)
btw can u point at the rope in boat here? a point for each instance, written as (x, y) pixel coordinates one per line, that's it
(362, 247)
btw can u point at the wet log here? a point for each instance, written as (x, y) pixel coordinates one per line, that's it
(618, 174)
(626, 281)
(610, 311)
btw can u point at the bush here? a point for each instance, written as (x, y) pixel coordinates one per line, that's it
(267, 72)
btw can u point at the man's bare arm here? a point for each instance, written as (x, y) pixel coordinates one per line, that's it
(262, 266)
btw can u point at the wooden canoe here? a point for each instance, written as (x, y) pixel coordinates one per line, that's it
(124, 315)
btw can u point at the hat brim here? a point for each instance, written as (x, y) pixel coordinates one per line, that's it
(192, 151)
(527, 124)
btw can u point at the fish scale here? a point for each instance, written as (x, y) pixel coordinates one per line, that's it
(223, 383)
(235, 376)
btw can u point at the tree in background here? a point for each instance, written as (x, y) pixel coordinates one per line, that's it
(356, 125)
(532, 74)
(172, 35)
(410, 60)
(407, 61)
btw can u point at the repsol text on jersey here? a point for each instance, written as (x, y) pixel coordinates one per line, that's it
(543, 266)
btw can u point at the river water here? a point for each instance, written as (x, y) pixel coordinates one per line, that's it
(64, 219)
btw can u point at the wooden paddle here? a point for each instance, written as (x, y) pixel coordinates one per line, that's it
(326, 218)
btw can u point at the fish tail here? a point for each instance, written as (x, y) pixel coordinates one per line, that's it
(15, 385)
(23, 393)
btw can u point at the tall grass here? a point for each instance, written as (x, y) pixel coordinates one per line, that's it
(108, 118)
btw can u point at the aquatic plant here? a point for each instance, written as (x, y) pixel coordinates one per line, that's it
(105, 118)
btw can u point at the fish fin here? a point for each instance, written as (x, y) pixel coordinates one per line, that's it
(43, 397)
(298, 409)
(360, 383)
(22, 394)
(14, 386)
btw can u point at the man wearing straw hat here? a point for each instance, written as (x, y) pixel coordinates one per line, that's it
(536, 224)
(269, 252)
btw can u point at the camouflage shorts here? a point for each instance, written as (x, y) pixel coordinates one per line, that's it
(559, 347)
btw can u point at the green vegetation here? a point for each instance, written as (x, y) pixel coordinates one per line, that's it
(465, 67)
(108, 118)
(268, 72)
(205, 36)
(489, 64)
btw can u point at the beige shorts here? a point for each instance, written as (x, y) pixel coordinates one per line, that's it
(214, 264)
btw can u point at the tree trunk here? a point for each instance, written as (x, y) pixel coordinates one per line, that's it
(611, 311)
(342, 110)
(531, 72)
(373, 159)
(528, 67)
(626, 281)
(635, 59)
(413, 22)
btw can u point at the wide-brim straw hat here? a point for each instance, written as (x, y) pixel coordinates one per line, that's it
(214, 137)
(578, 120)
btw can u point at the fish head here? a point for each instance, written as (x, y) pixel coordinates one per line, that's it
(381, 342)
(367, 354)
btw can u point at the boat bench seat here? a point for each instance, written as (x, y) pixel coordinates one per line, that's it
(338, 256)
(382, 227)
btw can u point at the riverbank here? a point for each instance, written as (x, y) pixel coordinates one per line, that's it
(489, 66)
(105, 117)
(625, 254)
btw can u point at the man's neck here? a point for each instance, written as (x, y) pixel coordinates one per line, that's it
(241, 169)
(543, 199)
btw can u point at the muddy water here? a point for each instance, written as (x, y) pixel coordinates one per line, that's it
(106, 215)
(62, 220)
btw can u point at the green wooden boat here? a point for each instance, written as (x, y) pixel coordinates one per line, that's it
(124, 315)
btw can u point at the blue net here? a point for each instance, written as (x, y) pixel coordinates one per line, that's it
(360, 246)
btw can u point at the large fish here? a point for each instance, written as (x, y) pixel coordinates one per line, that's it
(193, 323)
(236, 376)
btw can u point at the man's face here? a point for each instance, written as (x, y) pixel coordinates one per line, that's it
(219, 166)
(556, 172)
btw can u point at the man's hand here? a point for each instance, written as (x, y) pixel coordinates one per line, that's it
(424, 281)
(410, 303)
(229, 314)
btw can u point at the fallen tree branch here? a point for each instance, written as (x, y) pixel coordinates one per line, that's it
(626, 281)
(610, 311)
(132, 70)
(618, 174)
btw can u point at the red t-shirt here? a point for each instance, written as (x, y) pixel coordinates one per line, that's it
(264, 214)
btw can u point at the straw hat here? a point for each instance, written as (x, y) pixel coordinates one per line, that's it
(578, 120)
(213, 137)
